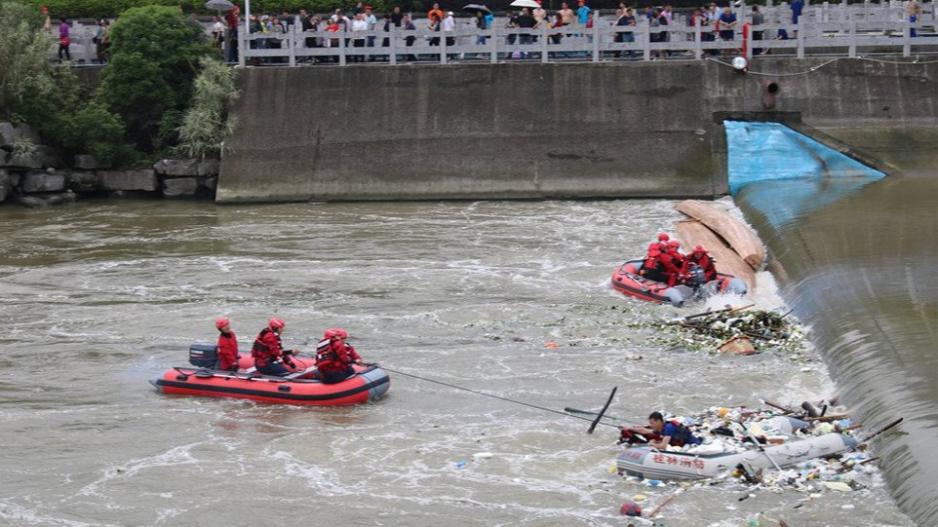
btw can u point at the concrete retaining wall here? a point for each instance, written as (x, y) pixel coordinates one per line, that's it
(542, 130)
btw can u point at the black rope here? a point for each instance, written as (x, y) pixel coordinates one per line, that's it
(493, 396)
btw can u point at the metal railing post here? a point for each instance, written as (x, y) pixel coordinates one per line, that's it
(442, 48)
(906, 38)
(646, 39)
(342, 46)
(392, 45)
(544, 42)
(291, 44)
(698, 50)
(596, 34)
(852, 36)
(494, 43)
(799, 27)
(242, 49)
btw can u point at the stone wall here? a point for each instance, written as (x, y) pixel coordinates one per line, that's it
(476, 131)
(39, 176)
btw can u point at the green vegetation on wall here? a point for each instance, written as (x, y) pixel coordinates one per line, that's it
(155, 54)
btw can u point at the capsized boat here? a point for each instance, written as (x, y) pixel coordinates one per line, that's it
(651, 463)
(627, 280)
(369, 383)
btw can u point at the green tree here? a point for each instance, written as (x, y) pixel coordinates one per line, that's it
(155, 53)
(24, 59)
(207, 123)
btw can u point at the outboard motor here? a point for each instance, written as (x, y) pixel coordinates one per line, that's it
(697, 277)
(203, 354)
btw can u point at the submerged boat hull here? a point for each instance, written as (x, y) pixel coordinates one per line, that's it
(647, 462)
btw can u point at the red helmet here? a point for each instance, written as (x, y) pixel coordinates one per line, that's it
(699, 249)
(276, 323)
(221, 322)
(663, 237)
(674, 244)
(332, 333)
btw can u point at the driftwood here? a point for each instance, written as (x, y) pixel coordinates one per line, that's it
(693, 233)
(736, 233)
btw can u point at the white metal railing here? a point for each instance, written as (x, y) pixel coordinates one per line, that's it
(813, 35)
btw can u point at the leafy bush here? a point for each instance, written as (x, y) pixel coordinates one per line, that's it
(207, 123)
(24, 60)
(155, 51)
(97, 131)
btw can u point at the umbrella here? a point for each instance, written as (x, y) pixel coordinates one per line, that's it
(525, 3)
(476, 7)
(219, 5)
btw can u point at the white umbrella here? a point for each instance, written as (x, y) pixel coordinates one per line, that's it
(219, 5)
(525, 3)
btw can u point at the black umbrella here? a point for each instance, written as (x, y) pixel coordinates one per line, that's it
(476, 7)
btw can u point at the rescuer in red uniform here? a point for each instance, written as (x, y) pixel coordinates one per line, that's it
(671, 262)
(268, 350)
(701, 257)
(227, 345)
(334, 358)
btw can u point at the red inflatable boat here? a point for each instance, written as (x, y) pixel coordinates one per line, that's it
(368, 384)
(627, 281)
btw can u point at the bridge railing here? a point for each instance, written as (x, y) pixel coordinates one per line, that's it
(859, 32)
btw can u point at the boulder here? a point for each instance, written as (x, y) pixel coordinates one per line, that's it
(86, 162)
(144, 179)
(42, 182)
(7, 136)
(82, 181)
(180, 187)
(177, 167)
(41, 157)
(208, 167)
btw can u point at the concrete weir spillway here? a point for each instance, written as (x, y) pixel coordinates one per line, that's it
(575, 130)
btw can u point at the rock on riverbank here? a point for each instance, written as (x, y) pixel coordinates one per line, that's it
(35, 175)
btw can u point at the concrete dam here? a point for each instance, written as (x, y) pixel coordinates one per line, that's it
(576, 130)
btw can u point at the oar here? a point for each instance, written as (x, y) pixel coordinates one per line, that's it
(603, 411)
(587, 412)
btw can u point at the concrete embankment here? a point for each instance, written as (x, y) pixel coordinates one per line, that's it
(552, 130)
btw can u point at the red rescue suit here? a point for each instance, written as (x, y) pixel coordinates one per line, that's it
(671, 264)
(227, 351)
(334, 357)
(267, 348)
(704, 261)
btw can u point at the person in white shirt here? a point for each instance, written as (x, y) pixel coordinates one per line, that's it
(449, 24)
(359, 24)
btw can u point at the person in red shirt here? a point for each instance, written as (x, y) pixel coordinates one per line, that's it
(334, 358)
(227, 345)
(701, 257)
(671, 262)
(269, 355)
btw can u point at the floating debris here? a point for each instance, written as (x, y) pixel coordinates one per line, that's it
(739, 331)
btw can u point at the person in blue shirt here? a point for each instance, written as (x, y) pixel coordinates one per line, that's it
(660, 433)
(727, 23)
(796, 7)
(583, 13)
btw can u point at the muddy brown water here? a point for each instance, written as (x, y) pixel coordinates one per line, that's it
(97, 298)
